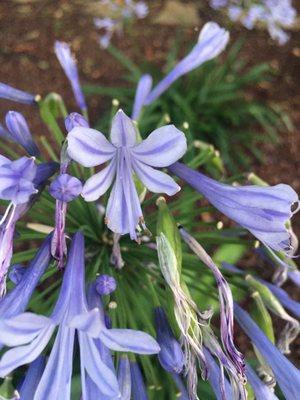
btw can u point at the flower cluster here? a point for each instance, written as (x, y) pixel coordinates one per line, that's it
(119, 13)
(276, 15)
(82, 296)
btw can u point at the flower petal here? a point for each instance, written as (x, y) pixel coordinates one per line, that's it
(89, 147)
(129, 340)
(32, 378)
(123, 132)
(155, 181)
(162, 147)
(22, 355)
(124, 378)
(103, 377)
(99, 183)
(142, 91)
(21, 329)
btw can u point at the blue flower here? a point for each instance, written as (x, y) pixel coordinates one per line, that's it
(10, 93)
(286, 374)
(138, 389)
(65, 188)
(263, 210)
(212, 41)
(142, 92)
(90, 148)
(171, 356)
(20, 133)
(68, 63)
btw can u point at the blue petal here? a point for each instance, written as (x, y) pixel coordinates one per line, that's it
(124, 378)
(138, 388)
(261, 391)
(123, 132)
(129, 340)
(32, 378)
(142, 91)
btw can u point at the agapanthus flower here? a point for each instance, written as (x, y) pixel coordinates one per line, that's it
(127, 157)
(29, 334)
(124, 378)
(286, 374)
(32, 378)
(9, 93)
(226, 304)
(75, 119)
(20, 181)
(171, 356)
(211, 42)
(20, 133)
(68, 63)
(138, 389)
(263, 210)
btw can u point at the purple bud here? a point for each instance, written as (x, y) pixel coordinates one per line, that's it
(16, 273)
(10, 93)
(75, 119)
(20, 133)
(105, 284)
(142, 91)
(170, 356)
(44, 171)
(68, 63)
(65, 188)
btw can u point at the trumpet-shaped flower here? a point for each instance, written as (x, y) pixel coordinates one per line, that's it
(24, 191)
(286, 374)
(68, 63)
(127, 157)
(9, 93)
(20, 133)
(211, 42)
(262, 210)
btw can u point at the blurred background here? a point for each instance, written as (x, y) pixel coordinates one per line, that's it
(255, 124)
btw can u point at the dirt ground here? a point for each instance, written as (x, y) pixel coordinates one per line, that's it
(30, 27)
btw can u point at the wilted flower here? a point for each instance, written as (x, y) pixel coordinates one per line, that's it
(170, 356)
(226, 304)
(90, 148)
(20, 133)
(9, 93)
(287, 375)
(68, 63)
(211, 42)
(262, 210)
(64, 189)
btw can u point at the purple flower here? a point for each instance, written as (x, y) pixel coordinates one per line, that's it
(262, 210)
(142, 91)
(226, 304)
(286, 374)
(105, 284)
(183, 394)
(68, 63)
(20, 133)
(124, 378)
(14, 212)
(16, 179)
(75, 119)
(90, 148)
(170, 356)
(261, 391)
(10, 93)
(32, 378)
(212, 41)
(29, 334)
